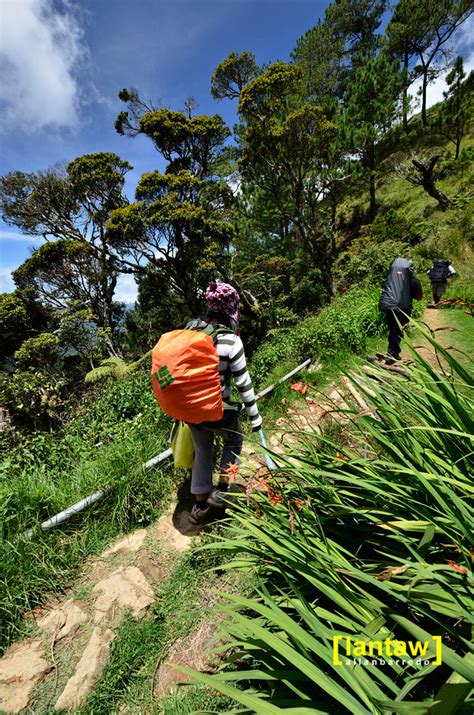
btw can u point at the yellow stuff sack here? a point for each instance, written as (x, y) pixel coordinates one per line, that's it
(182, 446)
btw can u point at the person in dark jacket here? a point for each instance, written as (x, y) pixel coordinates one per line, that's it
(398, 292)
(439, 273)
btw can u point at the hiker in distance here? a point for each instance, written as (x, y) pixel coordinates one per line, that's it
(192, 371)
(396, 301)
(439, 273)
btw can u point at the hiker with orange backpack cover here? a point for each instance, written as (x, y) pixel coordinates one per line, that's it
(192, 384)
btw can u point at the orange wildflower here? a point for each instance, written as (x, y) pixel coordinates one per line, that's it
(274, 498)
(300, 387)
(232, 470)
(458, 568)
(300, 504)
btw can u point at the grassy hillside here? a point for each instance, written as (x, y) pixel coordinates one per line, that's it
(410, 220)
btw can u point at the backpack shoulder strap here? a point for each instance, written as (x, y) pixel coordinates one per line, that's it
(208, 329)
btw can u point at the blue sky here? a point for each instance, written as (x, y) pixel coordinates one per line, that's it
(63, 63)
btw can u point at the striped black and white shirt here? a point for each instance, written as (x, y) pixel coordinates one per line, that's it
(232, 363)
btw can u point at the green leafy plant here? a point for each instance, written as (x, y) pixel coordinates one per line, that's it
(361, 545)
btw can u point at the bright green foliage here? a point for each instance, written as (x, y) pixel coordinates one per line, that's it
(368, 262)
(320, 55)
(15, 323)
(286, 150)
(71, 206)
(51, 366)
(97, 181)
(191, 143)
(38, 352)
(80, 337)
(282, 290)
(114, 367)
(61, 271)
(368, 258)
(232, 74)
(393, 226)
(365, 545)
(34, 394)
(343, 325)
(35, 398)
(178, 228)
(356, 23)
(39, 204)
(271, 92)
(49, 471)
(180, 224)
(372, 108)
(456, 111)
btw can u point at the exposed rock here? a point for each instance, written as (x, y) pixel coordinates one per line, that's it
(176, 531)
(21, 668)
(63, 620)
(126, 587)
(127, 544)
(88, 670)
(338, 400)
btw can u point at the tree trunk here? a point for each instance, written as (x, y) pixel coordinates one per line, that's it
(424, 120)
(370, 165)
(328, 281)
(458, 143)
(405, 91)
(427, 181)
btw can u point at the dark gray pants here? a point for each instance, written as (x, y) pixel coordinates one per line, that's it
(439, 290)
(203, 440)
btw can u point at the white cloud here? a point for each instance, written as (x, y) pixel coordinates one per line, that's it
(41, 50)
(126, 290)
(15, 236)
(462, 44)
(6, 280)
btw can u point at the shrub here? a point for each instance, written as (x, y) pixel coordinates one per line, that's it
(37, 399)
(345, 324)
(309, 293)
(368, 261)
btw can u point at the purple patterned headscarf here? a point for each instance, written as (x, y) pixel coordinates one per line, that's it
(223, 298)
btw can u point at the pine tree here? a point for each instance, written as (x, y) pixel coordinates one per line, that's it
(456, 113)
(372, 107)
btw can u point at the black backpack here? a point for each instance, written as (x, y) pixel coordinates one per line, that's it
(396, 291)
(440, 271)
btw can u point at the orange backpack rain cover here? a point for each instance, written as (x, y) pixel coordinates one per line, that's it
(185, 376)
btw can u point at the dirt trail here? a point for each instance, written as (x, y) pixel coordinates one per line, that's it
(437, 321)
(70, 642)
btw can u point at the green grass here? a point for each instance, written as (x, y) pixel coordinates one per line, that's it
(195, 699)
(463, 336)
(342, 326)
(48, 473)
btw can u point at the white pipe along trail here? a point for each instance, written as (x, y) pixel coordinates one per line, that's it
(92, 498)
